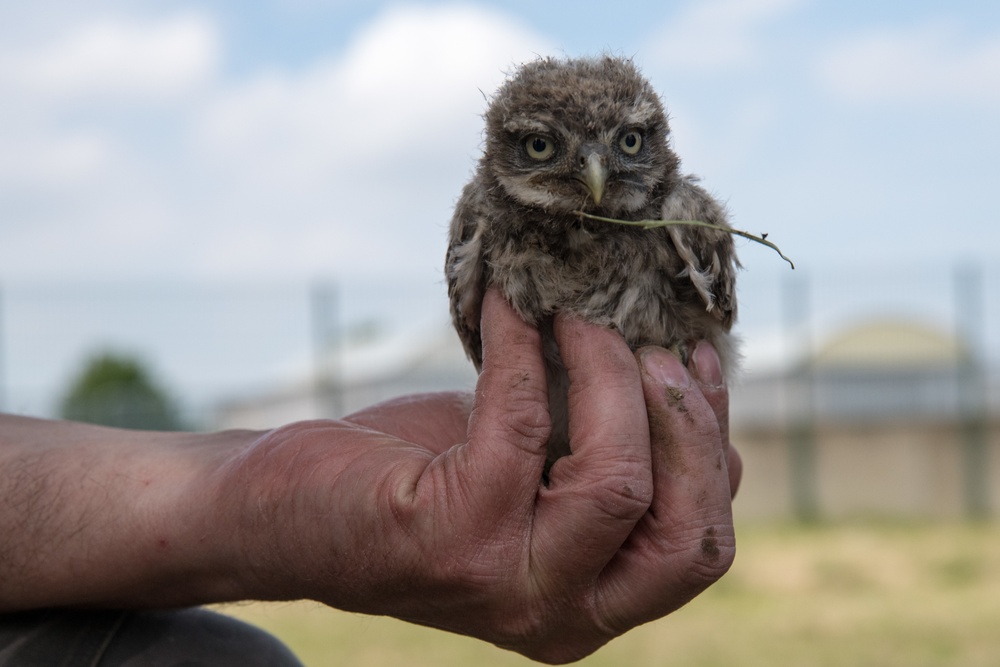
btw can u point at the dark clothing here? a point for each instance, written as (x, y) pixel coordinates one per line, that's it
(178, 638)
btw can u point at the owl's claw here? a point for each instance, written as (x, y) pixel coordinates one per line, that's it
(683, 351)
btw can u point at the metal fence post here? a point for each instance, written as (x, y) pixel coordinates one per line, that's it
(799, 392)
(323, 307)
(971, 389)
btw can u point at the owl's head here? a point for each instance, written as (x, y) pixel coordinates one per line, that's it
(582, 134)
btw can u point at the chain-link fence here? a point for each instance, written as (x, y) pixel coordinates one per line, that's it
(874, 350)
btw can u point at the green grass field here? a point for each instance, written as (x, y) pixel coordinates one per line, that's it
(852, 594)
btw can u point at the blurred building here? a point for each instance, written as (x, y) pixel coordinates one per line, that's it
(885, 418)
(358, 371)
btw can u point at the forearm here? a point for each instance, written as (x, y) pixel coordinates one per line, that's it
(107, 517)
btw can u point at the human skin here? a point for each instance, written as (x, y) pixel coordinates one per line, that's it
(429, 508)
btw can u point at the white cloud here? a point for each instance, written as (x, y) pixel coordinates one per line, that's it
(361, 154)
(932, 62)
(61, 161)
(405, 81)
(350, 163)
(83, 174)
(715, 35)
(118, 58)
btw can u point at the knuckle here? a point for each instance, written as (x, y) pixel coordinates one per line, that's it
(551, 642)
(527, 420)
(621, 489)
(550, 628)
(708, 557)
(516, 402)
(561, 652)
(624, 497)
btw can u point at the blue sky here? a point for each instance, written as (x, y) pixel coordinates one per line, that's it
(289, 138)
(284, 141)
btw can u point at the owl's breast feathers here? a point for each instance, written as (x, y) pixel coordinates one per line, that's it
(660, 286)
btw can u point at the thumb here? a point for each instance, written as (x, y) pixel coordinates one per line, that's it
(509, 425)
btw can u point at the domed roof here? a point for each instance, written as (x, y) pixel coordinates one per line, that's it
(890, 343)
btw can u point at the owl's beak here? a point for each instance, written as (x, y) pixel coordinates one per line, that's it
(593, 173)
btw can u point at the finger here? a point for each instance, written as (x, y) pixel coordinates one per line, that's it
(509, 424)
(685, 542)
(707, 371)
(596, 495)
(734, 462)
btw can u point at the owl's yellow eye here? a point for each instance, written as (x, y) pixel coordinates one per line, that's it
(539, 147)
(631, 142)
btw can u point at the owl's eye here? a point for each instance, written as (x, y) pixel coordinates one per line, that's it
(631, 142)
(539, 147)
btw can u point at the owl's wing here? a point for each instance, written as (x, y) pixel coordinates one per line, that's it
(709, 255)
(465, 269)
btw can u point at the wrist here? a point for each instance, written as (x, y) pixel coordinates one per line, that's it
(312, 510)
(189, 539)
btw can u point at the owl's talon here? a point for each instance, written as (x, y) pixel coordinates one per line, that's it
(683, 352)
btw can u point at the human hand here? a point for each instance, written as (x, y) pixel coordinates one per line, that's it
(431, 508)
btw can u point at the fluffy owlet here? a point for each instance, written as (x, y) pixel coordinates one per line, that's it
(588, 135)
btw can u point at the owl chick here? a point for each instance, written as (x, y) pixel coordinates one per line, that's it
(588, 135)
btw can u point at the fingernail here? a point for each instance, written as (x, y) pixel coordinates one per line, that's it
(707, 367)
(665, 367)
